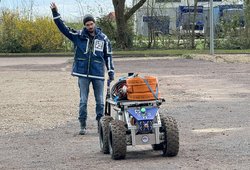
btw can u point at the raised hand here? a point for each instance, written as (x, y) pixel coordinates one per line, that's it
(53, 7)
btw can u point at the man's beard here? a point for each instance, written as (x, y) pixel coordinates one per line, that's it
(91, 30)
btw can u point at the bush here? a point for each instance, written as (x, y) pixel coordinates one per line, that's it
(22, 35)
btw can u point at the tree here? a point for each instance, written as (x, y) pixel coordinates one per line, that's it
(122, 19)
(193, 25)
(108, 26)
(247, 20)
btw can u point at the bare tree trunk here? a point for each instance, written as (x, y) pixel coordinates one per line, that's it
(193, 25)
(31, 10)
(119, 6)
(122, 21)
(247, 19)
(80, 8)
(150, 11)
(150, 38)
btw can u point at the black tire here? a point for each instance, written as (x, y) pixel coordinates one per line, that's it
(117, 139)
(171, 136)
(103, 133)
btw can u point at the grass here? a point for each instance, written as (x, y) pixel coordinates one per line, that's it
(247, 51)
(180, 52)
(56, 54)
(151, 52)
(159, 52)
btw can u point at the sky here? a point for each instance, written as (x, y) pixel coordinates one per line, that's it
(69, 9)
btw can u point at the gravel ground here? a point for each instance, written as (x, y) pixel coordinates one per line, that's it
(209, 97)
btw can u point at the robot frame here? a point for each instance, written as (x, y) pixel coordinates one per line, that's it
(135, 122)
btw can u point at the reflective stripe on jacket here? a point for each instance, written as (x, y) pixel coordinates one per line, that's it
(90, 56)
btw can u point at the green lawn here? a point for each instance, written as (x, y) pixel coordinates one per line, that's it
(153, 52)
(179, 52)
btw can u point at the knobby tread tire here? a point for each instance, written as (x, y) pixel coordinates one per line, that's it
(103, 133)
(171, 136)
(117, 139)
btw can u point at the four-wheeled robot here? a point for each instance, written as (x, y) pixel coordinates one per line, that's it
(135, 123)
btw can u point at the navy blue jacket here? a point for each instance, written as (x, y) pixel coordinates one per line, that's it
(90, 56)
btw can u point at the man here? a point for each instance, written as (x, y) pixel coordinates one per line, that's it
(92, 52)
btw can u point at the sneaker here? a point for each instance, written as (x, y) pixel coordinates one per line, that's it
(82, 131)
(83, 128)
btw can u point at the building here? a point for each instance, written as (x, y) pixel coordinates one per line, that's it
(111, 16)
(145, 17)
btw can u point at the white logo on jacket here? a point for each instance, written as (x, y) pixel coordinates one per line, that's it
(99, 44)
